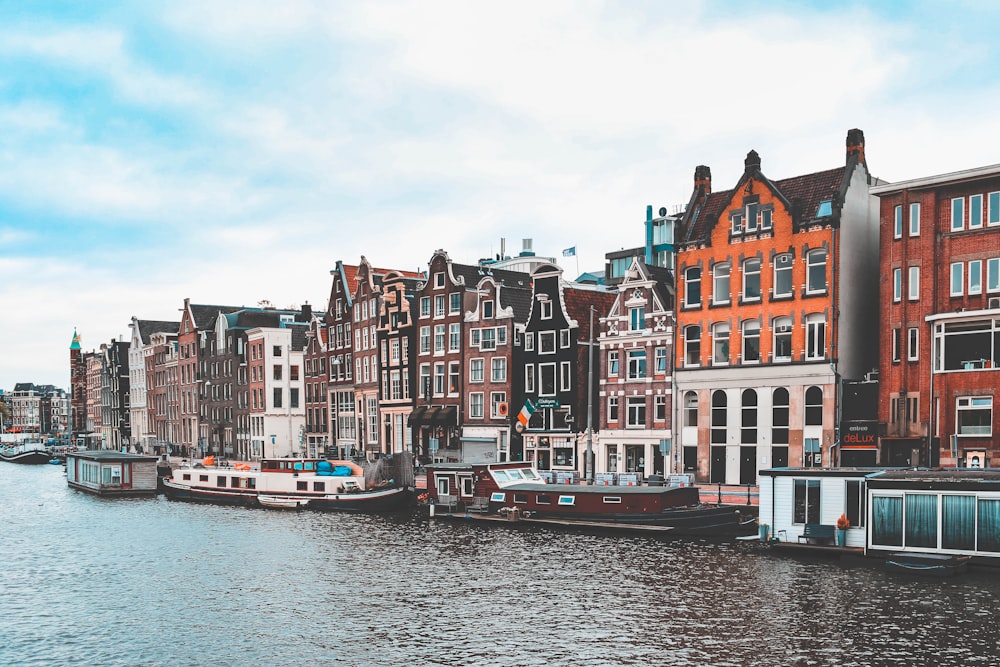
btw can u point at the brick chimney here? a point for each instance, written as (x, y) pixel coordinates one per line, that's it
(703, 179)
(752, 164)
(856, 145)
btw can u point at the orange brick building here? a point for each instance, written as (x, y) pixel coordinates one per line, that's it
(776, 306)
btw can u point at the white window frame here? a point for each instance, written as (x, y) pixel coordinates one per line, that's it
(545, 369)
(897, 285)
(751, 329)
(976, 212)
(637, 358)
(477, 370)
(688, 282)
(957, 273)
(973, 403)
(814, 323)
(913, 284)
(476, 405)
(613, 363)
(564, 339)
(613, 409)
(993, 275)
(957, 214)
(896, 344)
(784, 269)
(787, 333)
(720, 336)
(810, 265)
(565, 376)
(529, 378)
(897, 222)
(912, 344)
(546, 342)
(993, 209)
(721, 274)
(976, 276)
(749, 272)
(636, 404)
(496, 398)
(915, 219)
(545, 309)
(498, 369)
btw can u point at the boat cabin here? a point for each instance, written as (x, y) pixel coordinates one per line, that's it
(111, 473)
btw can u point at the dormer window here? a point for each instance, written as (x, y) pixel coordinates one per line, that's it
(825, 209)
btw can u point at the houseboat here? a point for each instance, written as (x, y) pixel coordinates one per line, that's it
(32, 453)
(517, 488)
(316, 484)
(111, 473)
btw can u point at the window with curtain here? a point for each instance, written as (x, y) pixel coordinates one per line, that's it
(921, 520)
(989, 525)
(958, 522)
(887, 517)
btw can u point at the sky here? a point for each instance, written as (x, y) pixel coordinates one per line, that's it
(232, 152)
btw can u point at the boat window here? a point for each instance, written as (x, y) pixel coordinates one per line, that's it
(235, 482)
(497, 497)
(186, 476)
(310, 465)
(530, 474)
(515, 474)
(251, 482)
(302, 486)
(567, 500)
(466, 486)
(319, 486)
(543, 499)
(201, 478)
(520, 497)
(612, 500)
(500, 476)
(220, 481)
(297, 466)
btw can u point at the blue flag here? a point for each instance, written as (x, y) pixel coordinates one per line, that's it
(569, 252)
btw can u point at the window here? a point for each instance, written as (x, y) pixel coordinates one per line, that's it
(454, 336)
(814, 406)
(277, 397)
(487, 310)
(498, 399)
(692, 287)
(915, 219)
(660, 408)
(529, 341)
(690, 408)
(636, 364)
(751, 280)
(545, 309)
(736, 220)
(454, 302)
(453, 377)
(529, 378)
(993, 209)
(825, 209)
(748, 426)
(564, 338)
(783, 275)
(277, 372)
(438, 280)
(720, 283)
(692, 345)
(993, 275)
(897, 226)
(897, 285)
(439, 379)
(912, 338)
(720, 344)
(660, 357)
(488, 339)
(855, 503)
(439, 305)
(974, 416)
(546, 342)
(565, 376)
(277, 350)
(806, 501)
(476, 405)
(636, 407)
(612, 408)
(637, 318)
(425, 340)
(815, 336)
(612, 362)
(913, 284)
(896, 344)
(957, 214)
(976, 277)
(498, 369)
(751, 341)
(779, 416)
(546, 379)
(477, 370)
(957, 279)
(293, 397)
(976, 212)
(425, 306)
(816, 271)
(719, 417)
(438, 338)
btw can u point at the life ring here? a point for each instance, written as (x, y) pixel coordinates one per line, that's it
(502, 409)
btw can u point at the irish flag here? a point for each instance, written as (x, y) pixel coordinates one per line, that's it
(525, 414)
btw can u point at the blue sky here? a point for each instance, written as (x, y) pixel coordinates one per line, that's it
(231, 152)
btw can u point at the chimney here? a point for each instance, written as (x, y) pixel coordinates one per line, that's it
(752, 164)
(856, 145)
(307, 312)
(703, 179)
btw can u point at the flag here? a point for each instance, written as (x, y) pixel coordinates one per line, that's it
(525, 414)
(569, 252)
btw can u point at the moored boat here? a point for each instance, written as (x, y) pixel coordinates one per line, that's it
(926, 564)
(316, 484)
(28, 453)
(516, 488)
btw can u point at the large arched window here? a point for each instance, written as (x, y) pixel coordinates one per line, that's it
(690, 408)
(748, 430)
(814, 406)
(692, 287)
(719, 408)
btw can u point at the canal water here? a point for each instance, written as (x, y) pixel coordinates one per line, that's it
(92, 581)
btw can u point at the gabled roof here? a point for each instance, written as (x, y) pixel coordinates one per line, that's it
(472, 274)
(147, 328)
(518, 299)
(205, 316)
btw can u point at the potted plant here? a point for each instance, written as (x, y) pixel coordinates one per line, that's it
(842, 525)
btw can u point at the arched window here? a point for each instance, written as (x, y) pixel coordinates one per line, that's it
(719, 407)
(751, 280)
(692, 345)
(814, 406)
(748, 430)
(690, 408)
(720, 283)
(816, 271)
(779, 416)
(692, 287)
(751, 342)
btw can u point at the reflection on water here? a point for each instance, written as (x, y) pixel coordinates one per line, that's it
(153, 582)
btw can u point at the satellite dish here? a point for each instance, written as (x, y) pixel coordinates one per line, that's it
(663, 211)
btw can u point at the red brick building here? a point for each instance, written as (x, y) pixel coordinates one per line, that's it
(940, 319)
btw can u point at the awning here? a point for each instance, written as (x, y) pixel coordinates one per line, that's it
(433, 415)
